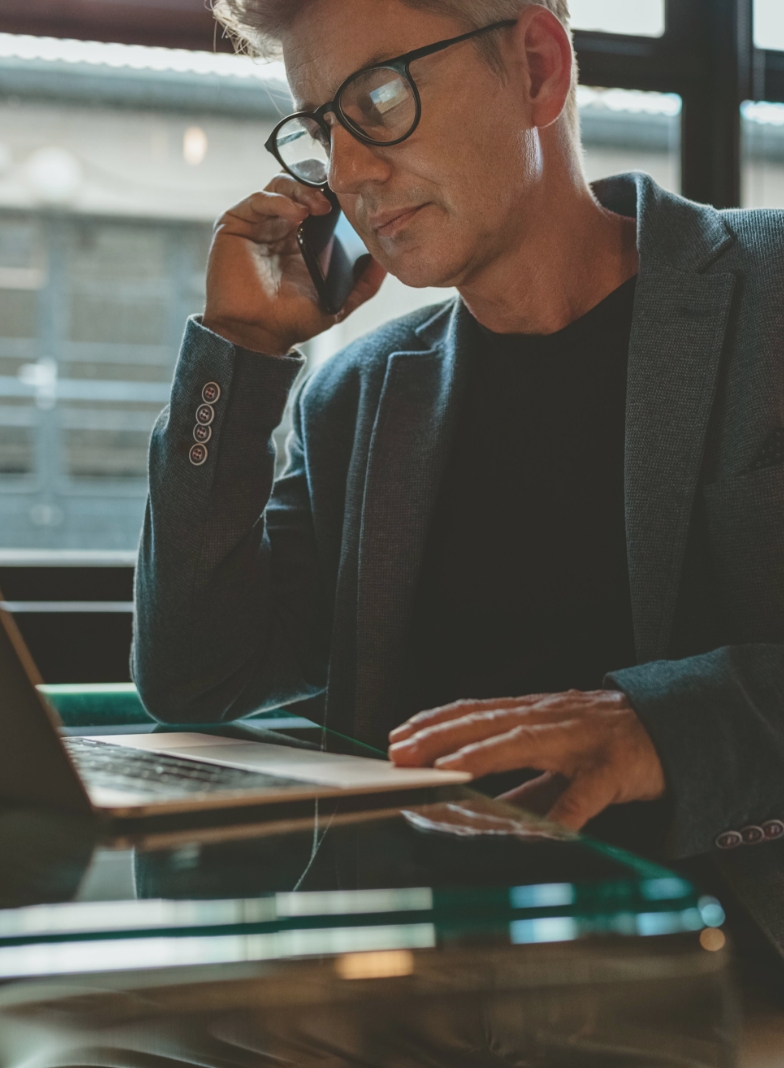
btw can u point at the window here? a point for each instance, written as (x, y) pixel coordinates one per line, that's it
(113, 167)
(763, 121)
(108, 192)
(626, 130)
(763, 156)
(769, 24)
(645, 18)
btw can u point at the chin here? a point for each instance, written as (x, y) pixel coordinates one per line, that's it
(421, 270)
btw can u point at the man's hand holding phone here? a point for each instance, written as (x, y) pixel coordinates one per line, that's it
(260, 294)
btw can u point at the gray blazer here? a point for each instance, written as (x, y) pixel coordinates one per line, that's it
(252, 596)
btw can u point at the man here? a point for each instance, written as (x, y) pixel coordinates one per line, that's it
(558, 498)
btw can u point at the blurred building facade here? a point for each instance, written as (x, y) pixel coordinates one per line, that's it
(114, 162)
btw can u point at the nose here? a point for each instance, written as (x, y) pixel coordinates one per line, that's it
(352, 164)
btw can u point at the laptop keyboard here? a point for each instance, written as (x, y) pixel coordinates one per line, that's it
(118, 767)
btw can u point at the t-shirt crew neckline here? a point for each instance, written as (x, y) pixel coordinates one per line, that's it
(595, 319)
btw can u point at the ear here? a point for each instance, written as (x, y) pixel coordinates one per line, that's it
(544, 43)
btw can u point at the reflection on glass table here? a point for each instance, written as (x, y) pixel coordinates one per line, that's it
(451, 930)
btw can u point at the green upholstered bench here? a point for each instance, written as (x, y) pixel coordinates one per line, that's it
(117, 704)
(100, 704)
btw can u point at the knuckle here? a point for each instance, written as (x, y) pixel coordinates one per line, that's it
(475, 717)
(281, 178)
(522, 735)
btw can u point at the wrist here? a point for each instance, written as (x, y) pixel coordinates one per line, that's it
(246, 337)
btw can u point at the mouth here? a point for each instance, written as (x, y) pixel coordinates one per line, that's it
(392, 222)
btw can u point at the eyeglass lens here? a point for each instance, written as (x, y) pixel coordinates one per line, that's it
(304, 148)
(379, 103)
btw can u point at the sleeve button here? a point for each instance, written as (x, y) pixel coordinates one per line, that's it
(773, 829)
(198, 455)
(202, 434)
(729, 840)
(211, 393)
(752, 834)
(205, 414)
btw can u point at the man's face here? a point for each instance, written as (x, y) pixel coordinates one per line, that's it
(442, 205)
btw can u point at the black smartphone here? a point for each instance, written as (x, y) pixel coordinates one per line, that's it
(331, 248)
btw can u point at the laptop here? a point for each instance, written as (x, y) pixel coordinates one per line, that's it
(140, 775)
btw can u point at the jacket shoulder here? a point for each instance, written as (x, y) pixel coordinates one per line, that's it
(758, 234)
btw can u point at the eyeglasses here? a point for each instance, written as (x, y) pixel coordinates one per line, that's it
(379, 105)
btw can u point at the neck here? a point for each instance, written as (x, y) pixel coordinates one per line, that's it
(572, 255)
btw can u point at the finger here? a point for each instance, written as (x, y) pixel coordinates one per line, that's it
(456, 710)
(261, 229)
(545, 747)
(315, 201)
(587, 796)
(278, 212)
(429, 742)
(537, 795)
(262, 206)
(427, 745)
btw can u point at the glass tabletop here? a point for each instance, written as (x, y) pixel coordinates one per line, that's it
(324, 931)
(451, 870)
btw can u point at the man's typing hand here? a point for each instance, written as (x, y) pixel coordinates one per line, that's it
(591, 749)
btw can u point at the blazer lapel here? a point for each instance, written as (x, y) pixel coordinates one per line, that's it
(680, 322)
(409, 449)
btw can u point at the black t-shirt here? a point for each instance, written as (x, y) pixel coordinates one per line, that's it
(524, 586)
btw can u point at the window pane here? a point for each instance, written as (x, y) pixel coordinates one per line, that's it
(627, 130)
(763, 154)
(106, 207)
(645, 18)
(769, 24)
(110, 181)
(22, 276)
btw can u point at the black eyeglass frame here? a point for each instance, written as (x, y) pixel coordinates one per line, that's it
(401, 65)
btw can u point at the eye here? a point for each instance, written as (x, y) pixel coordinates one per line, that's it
(388, 96)
(380, 101)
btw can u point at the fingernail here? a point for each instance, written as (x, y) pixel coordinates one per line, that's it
(408, 743)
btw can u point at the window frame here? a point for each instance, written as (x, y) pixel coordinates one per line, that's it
(706, 56)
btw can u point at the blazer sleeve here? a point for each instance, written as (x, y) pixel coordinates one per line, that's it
(228, 616)
(717, 722)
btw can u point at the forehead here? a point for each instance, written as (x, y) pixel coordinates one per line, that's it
(330, 39)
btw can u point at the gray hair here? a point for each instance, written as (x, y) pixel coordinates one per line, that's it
(256, 26)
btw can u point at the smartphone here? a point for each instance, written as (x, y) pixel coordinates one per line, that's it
(331, 248)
